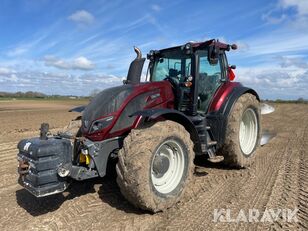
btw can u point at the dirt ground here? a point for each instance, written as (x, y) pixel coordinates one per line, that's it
(278, 179)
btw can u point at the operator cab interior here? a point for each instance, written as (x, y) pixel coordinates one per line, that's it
(178, 67)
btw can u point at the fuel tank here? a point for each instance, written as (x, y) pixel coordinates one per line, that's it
(109, 112)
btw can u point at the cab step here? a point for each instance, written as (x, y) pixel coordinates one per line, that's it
(216, 159)
(212, 143)
(213, 157)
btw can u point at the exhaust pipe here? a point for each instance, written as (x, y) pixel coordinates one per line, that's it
(135, 68)
(138, 52)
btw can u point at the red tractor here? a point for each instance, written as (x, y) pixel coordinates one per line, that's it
(189, 106)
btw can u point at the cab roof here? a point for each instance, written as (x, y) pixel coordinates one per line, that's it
(200, 45)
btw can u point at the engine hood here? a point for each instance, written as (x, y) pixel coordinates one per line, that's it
(105, 103)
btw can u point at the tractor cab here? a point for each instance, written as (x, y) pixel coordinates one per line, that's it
(195, 70)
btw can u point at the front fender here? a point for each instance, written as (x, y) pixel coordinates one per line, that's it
(149, 115)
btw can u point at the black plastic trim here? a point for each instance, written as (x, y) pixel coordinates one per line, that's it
(173, 115)
(78, 109)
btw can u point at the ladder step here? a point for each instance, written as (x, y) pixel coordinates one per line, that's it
(211, 143)
(208, 127)
(216, 159)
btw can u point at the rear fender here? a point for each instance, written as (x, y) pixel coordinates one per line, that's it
(233, 97)
(218, 120)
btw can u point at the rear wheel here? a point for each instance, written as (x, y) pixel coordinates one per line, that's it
(155, 164)
(243, 132)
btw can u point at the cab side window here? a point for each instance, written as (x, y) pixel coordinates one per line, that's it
(209, 80)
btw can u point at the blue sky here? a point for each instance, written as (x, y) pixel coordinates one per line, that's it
(74, 47)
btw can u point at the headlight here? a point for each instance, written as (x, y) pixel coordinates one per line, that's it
(98, 125)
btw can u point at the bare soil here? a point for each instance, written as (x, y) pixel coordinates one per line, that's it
(277, 179)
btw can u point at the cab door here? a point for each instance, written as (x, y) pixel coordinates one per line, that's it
(210, 78)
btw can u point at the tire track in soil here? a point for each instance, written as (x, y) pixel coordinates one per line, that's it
(88, 211)
(8, 174)
(197, 213)
(226, 197)
(260, 201)
(7, 146)
(303, 183)
(303, 193)
(8, 151)
(291, 189)
(278, 162)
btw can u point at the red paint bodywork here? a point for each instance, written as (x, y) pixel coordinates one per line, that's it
(221, 95)
(165, 100)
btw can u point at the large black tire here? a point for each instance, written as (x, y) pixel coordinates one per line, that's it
(135, 161)
(231, 150)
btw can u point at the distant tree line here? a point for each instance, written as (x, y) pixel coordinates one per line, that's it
(39, 95)
(35, 95)
(19, 94)
(298, 101)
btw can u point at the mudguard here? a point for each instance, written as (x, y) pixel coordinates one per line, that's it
(218, 120)
(233, 97)
(170, 114)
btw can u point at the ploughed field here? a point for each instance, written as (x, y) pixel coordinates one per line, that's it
(277, 180)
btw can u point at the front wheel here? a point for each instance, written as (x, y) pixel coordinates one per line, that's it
(155, 165)
(242, 132)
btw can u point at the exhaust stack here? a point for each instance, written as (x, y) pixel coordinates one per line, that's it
(135, 68)
(138, 52)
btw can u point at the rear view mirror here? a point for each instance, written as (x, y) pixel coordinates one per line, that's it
(213, 54)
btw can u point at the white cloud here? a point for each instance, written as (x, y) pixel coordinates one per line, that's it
(268, 17)
(13, 78)
(17, 51)
(156, 7)
(280, 14)
(82, 17)
(300, 5)
(57, 82)
(289, 81)
(242, 46)
(25, 46)
(286, 61)
(80, 63)
(276, 43)
(6, 71)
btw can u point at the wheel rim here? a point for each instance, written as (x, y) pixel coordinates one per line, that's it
(167, 166)
(248, 131)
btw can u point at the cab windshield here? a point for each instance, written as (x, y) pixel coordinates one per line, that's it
(171, 64)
